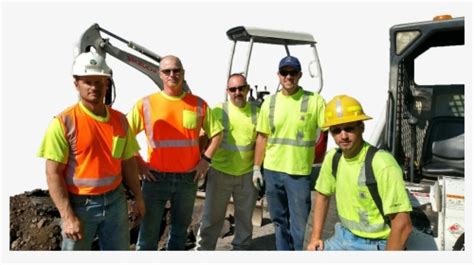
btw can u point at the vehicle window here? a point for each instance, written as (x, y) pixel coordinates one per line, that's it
(443, 66)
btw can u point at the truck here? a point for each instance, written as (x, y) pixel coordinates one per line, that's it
(423, 128)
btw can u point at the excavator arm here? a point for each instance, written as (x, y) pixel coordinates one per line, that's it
(92, 38)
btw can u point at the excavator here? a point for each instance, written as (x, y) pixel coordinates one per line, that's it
(148, 64)
(283, 40)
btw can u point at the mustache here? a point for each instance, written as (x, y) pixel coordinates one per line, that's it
(345, 142)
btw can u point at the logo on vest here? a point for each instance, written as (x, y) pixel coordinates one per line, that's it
(93, 62)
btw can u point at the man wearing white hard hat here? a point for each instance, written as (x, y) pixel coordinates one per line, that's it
(89, 153)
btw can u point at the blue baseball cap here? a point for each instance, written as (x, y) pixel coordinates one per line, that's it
(290, 61)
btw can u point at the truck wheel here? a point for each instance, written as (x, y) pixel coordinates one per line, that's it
(459, 245)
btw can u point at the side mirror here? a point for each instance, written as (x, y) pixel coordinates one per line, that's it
(315, 72)
(313, 69)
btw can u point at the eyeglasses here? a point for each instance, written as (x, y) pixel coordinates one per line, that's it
(284, 72)
(169, 71)
(241, 88)
(338, 130)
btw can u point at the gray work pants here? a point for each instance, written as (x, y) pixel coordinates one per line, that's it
(219, 188)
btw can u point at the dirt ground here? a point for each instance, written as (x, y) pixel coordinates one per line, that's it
(35, 225)
(35, 222)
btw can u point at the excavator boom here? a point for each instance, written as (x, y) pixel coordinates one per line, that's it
(92, 38)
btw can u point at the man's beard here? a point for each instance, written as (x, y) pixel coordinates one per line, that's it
(239, 101)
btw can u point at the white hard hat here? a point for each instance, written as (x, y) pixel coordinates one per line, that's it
(90, 63)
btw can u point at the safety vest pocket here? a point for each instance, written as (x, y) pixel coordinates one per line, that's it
(189, 119)
(118, 146)
(305, 122)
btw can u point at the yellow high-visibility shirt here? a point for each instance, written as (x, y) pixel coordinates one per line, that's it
(290, 145)
(355, 206)
(236, 153)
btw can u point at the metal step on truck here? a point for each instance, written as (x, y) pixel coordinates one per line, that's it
(423, 128)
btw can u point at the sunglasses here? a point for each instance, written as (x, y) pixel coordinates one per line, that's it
(288, 72)
(241, 88)
(169, 71)
(338, 130)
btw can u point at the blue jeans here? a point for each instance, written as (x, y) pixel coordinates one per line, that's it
(344, 239)
(180, 189)
(289, 203)
(104, 215)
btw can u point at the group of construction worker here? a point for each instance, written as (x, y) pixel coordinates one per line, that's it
(92, 157)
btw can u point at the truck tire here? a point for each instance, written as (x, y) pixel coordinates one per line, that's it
(459, 245)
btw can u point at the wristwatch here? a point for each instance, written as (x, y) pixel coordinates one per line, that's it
(209, 160)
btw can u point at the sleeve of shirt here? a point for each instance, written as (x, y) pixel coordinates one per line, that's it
(217, 112)
(263, 123)
(321, 106)
(135, 119)
(211, 125)
(390, 184)
(131, 146)
(54, 145)
(257, 110)
(326, 183)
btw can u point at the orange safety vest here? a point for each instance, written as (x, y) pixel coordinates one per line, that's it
(92, 168)
(172, 128)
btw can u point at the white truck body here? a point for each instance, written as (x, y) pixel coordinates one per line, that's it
(445, 198)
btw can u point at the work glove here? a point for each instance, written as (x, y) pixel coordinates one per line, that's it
(258, 180)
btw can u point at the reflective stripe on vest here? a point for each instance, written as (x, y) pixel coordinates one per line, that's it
(70, 178)
(92, 182)
(176, 143)
(169, 143)
(71, 137)
(225, 123)
(299, 142)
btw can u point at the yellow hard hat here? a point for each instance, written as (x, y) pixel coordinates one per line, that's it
(343, 109)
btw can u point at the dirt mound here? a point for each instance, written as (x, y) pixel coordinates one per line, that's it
(35, 223)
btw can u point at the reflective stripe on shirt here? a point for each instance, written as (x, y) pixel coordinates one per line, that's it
(225, 123)
(362, 226)
(299, 137)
